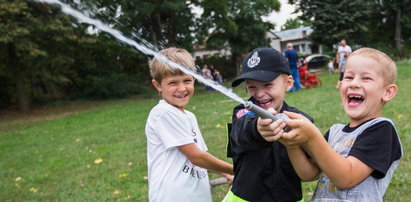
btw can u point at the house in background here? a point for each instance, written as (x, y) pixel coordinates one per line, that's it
(299, 38)
(200, 52)
(278, 40)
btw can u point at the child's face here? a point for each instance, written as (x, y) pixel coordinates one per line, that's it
(363, 92)
(176, 90)
(269, 94)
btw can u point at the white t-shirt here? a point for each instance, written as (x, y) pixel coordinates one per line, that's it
(171, 175)
(343, 52)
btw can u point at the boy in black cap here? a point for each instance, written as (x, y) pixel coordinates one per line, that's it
(263, 171)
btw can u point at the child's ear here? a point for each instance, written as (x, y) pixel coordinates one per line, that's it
(289, 83)
(390, 92)
(156, 84)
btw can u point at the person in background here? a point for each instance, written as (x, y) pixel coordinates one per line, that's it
(218, 77)
(292, 57)
(206, 73)
(341, 56)
(330, 65)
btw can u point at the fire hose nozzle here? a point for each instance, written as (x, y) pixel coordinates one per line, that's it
(265, 114)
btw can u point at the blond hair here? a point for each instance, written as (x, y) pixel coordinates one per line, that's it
(388, 66)
(159, 70)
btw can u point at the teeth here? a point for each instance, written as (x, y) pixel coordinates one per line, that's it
(355, 96)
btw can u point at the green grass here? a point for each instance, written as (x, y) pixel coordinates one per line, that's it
(53, 159)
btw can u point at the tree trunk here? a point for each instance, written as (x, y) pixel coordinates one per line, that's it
(22, 99)
(237, 61)
(171, 35)
(398, 44)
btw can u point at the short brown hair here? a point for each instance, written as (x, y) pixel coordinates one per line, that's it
(388, 66)
(159, 69)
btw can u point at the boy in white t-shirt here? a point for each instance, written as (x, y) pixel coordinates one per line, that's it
(176, 152)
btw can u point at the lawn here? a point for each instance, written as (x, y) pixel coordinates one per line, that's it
(97, 151)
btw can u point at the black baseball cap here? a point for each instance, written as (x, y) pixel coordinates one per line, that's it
(262, 64)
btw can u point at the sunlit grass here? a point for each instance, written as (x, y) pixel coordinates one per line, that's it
(100, 154)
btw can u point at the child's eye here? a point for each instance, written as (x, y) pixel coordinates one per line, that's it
(188, 81)
(172, 83)
(367, 78)
(348, 77)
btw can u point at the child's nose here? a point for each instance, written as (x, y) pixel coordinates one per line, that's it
(182, 87)
(355, 82)
(259, 93)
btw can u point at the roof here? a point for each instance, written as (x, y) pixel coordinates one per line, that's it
(292, 34)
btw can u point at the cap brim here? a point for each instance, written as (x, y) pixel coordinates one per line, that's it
(257, 75)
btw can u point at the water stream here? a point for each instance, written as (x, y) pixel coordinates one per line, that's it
(141, 48)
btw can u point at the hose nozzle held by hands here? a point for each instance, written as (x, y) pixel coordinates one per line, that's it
(265, 114)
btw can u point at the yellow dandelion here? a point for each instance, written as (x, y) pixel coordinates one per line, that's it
(399, 116)
(130, 163)
(219, 126)
(117, 192)
(78, 140)
(34, 190)
(122, 175)
(98, 161)
(18, 179)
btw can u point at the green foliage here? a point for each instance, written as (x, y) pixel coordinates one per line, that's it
(294, 23)
(47, 56)
(237, 24)
(333, 20)
(364, 23)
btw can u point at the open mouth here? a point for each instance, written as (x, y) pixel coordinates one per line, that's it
(180, 96)
(355, 100)
(265, 104)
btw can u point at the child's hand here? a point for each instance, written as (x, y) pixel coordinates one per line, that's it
(269, 130)
(301, 130)
(229, 178)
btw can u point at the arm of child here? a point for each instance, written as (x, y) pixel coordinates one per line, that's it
(344, 172)
(205, 159)
(304, 166)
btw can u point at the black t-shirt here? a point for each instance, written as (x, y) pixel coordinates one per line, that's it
(263, 171)
(377, 147)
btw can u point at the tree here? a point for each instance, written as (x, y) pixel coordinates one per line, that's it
(380, 24)
(236, 24)
(333, 20)
(48, 56)
(162, 23)
(294, 23)
(26, 28)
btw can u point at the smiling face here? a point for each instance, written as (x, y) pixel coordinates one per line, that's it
(269, 94)
(363, 89)
(176, 90)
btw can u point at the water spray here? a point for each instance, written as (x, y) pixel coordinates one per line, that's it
(151, 53)
(265, 114)
(141, 48)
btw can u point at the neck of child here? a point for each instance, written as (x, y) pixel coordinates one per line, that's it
(357, 122)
